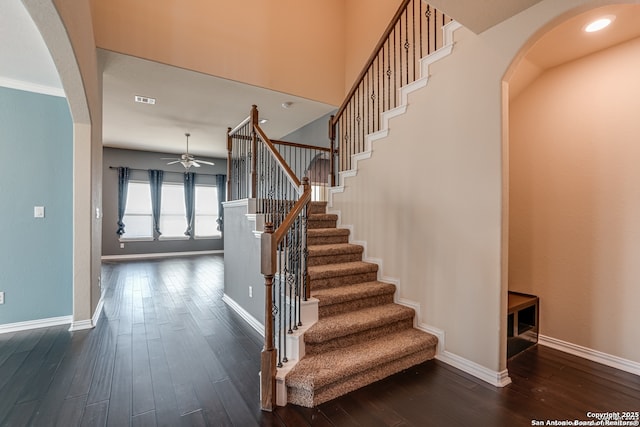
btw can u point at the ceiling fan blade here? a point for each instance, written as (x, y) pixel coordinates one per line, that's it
(194, 163)
(204, 162)
(174, 162)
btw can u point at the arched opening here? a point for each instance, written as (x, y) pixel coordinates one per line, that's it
(573, 183)
(63, 26)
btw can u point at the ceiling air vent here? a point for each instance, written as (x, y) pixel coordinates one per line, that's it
(145, 100)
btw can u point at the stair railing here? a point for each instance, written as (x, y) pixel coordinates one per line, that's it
(245, 171)
(259, 170)
(312, 162)
(413, 33)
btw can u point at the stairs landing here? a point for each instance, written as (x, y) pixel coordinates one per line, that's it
(361, 335)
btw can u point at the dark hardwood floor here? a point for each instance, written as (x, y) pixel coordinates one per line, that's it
(168, 352)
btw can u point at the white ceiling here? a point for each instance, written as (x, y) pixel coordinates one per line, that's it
(24, 58)
(205, 106)
(187, 101)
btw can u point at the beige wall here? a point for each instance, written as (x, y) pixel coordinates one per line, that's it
(433, 213)
(365, 21)
(287, 45)
(575, 199)
(76, 17)
(308, 50)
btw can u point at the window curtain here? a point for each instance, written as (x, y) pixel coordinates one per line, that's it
(155, 184)
(221, 185)
(123, 187)
(189, 200)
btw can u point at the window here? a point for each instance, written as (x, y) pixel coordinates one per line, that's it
(206, 211)
(173, 221)
(137, 217)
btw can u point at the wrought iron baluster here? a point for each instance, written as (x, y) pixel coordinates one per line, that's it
(278, 306)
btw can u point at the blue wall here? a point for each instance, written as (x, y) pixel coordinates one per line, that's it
(36, 149)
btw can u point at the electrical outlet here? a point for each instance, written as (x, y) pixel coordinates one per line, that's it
(250, 291)
(1, 297)
(121, 245)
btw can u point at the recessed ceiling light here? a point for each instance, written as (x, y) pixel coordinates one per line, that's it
(263, 121)
(599, 24)
(287, 104)
(145, 100)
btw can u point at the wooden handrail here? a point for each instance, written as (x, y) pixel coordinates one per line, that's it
(372, 58)
(281, 162)
(233, 131)
(298, 145)
(269, 241)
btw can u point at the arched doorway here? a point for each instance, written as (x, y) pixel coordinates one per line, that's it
(574, 184)
(68, 36)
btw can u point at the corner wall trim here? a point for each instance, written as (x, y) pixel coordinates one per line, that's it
(591, 354)
(495, 378)
(81, 325)
(252, 321)
(98, 312)
(159, 255)
(35, 324)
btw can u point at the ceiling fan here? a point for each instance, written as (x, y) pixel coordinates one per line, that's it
(187, 159)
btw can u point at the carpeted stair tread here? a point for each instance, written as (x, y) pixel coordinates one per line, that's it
(334, 253)
(341, 294)
(322, 221)
(323, 217)
(317, 207)
(359, 321)
(322, 236)
(342, 269)
(317, 371)
(318, 232)
(334, 249)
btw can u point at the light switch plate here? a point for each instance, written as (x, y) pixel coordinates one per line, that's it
(38, 211)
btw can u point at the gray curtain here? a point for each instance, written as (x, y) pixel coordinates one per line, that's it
(155, 184)
(123, 187)
(189, 200)
(221, 184)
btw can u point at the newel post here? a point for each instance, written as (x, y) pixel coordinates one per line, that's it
(254, 151)
(268, 355)
(229, 154)
(332, 138)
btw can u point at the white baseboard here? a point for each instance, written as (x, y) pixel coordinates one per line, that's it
(495, 378)
(159, 255)
(35, 324)
(81, 325)
(590, 354)
(252, 321)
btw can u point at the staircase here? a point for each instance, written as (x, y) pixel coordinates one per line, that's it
(361, 335)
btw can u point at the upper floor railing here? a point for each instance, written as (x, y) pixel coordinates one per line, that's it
(414, 32)
(248, 168)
